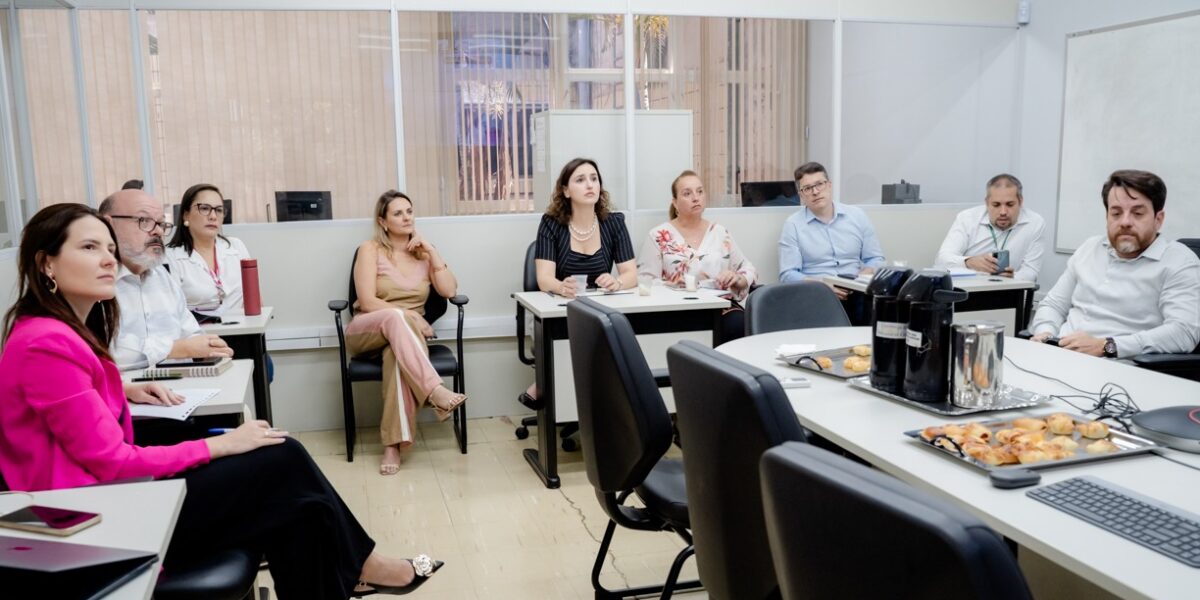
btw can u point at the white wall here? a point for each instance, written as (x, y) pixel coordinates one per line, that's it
(1041, 102)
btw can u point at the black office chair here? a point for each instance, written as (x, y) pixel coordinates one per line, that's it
(729, 413)
(625, 432)
(1178, 364)
(838, 529)
(793, 305)
(447, 362)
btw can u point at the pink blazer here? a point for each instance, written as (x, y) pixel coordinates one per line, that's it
(64, 419)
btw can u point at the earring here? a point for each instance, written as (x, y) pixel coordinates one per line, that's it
(187, 224)
(53, 287)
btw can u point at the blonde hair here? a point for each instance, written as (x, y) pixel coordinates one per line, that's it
(381, 207)
(672, 213)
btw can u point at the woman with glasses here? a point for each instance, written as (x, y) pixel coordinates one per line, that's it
(206, 263)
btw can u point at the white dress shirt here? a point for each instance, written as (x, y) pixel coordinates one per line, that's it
(973, 234)
(153, 315)
(1146, 304)
(200, 284)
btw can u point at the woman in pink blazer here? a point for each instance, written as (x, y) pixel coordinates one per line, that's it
(64, 422)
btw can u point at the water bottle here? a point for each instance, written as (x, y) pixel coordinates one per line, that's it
(251, 297)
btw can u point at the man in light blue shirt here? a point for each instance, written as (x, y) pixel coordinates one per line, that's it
(827, 238)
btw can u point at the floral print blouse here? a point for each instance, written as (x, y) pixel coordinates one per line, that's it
(667, 256)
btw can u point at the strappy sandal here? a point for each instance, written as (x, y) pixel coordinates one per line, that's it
(423, 567)
(444, 413)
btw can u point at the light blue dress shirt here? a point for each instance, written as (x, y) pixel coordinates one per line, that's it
(845, 245)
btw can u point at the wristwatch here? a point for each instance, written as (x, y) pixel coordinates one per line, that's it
(1110, 348)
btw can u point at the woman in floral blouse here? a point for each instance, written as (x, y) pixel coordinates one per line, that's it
(690, 245)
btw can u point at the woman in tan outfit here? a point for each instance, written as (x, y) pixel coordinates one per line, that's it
(392, 276)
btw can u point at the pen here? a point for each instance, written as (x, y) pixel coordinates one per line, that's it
(158, 378)
(219, 430)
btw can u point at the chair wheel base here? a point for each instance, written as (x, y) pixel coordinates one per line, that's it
(522, 432)
(570, 445)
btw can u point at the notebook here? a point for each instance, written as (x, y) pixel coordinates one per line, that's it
(193, 398)
(201, 370)
(50, 569)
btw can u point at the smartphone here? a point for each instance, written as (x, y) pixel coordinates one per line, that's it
(189, 362)
(1001, 261)
(45, 519)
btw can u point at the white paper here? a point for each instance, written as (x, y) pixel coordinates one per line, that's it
(786, 350)
(963, 272)
(193, 397)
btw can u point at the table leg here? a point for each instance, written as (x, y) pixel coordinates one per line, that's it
(544, 460)
(254, 347)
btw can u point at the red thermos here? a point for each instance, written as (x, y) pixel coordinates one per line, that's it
(251, 297)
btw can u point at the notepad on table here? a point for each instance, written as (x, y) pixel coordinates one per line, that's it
(174, 368)
(193, 398)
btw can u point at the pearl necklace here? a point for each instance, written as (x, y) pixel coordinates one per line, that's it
(583, 236)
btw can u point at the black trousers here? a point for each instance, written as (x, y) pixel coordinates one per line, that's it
(858, 308)
(276, 501)
(733, 325)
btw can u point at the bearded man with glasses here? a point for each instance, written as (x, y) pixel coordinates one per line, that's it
(828, 238)
(155, 321)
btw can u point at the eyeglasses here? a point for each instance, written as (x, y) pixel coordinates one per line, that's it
(813, 187)
(206, 209)
(146, 223)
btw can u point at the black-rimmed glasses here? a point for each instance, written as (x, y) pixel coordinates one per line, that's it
(206, 209)
(812, 188)
(146, 223)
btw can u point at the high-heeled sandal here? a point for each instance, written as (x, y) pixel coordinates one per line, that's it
(444, 413)
(423, 568)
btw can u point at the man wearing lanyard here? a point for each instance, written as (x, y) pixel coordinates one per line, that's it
(981, 236)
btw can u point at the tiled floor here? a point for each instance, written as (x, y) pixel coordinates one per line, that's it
(501, 533)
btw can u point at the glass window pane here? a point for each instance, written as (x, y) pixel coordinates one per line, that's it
(478, 92)
(260, 102)
(741, 82)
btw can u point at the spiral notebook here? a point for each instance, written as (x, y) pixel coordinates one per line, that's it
(175, 368)
(180, 412)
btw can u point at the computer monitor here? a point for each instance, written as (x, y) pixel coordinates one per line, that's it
(228, 213)
(303, 206)
(769, 193)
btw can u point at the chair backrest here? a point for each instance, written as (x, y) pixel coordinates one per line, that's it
(623, 424)
(529, 280)
(435, 304)
(1192, 243)
(728, 413)
(841, 529)
(793, 305)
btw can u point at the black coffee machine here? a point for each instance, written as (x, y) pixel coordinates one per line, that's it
(930, 295)
(889, 320)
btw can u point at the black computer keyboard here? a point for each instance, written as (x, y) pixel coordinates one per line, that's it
(1153, 524)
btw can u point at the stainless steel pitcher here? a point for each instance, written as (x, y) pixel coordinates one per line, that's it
(978, 363)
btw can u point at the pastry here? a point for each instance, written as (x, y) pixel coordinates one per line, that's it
(1029, 424)
(975, 431)
(929, 433)
(1065, 442)
(1007, 455)
(824, 362)
(1093, 429)
(1029, 438)
(1102, 447)
(861, 350)
(1005, 436)
(1060, 424)
(856, 364)
(1032, 455)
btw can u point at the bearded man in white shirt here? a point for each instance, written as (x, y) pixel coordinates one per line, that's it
(1001, 224)
(1130, 292)
(155, 322)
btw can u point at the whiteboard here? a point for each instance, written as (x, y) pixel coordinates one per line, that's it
(1131, 101)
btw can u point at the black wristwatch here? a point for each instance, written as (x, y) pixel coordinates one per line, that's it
(1110, 348)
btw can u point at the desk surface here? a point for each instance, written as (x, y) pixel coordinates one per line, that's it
(234, 383)
(871, 427)
(969, 283)
(241, 324)
(544, 305)
(134, 516)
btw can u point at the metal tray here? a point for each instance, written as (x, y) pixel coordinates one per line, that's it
(807, 361)
(1010, 398)
(1128, 443)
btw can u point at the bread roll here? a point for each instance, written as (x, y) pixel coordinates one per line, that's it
(1060, 424)
(824, 362)
(1029, 438)
(1093, 429)
(975, 431)
(856, 364)
(1065, 442)
(1005, 436)
(1029, 424)
(861, 350)
(1032, 455)
(1102, 447)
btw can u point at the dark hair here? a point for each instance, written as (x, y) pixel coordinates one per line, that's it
(560, 205)
(1004, 180)
(183, 236)
(42, 238)
(809, 168)
(672, 213)
(133, 184)
(1144, 182)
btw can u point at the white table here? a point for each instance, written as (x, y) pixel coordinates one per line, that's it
(234, 384)
(133, 516)
(871, 427)
(248, 338)
(663, 311)
(984, 292)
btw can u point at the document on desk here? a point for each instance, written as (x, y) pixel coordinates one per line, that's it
(180, 412)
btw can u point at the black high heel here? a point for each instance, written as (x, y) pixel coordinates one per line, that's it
(423, 568)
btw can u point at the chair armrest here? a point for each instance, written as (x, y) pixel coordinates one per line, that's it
(338, 305)
(661, 377)
(1167, 361)
(1024, 334)
(459, 300)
